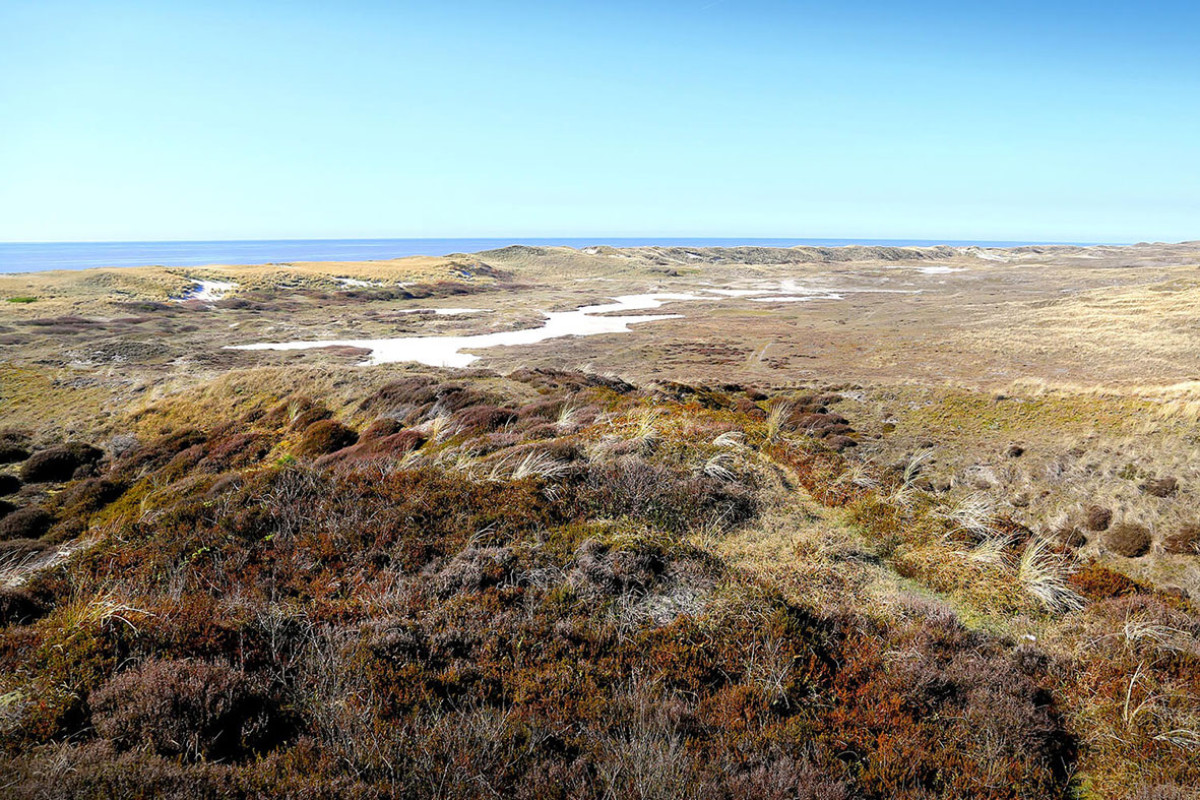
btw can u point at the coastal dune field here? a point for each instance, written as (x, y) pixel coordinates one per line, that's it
(657, 522)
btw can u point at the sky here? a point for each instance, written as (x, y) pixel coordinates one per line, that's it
(1033, 121)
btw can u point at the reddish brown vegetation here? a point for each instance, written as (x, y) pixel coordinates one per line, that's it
(189, 709)
(1183, 541)
(26, 523)
(324, 437)
(369, 625)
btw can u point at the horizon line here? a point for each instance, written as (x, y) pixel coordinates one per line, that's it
(516, 240)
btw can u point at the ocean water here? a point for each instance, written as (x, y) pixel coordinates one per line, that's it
(41, 256)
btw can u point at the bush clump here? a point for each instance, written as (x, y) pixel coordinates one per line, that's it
(1128, 539)
(1160, 487)
(324, 437)
(485, 418)
(1185, 541)
(188, 709)
(1097, 518)
(11, 452)
(9, 484)
(31, 522)
(59, 464)
(18, 607)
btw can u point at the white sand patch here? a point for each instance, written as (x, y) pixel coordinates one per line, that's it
(940, 270)
(355, 282)
(447, 351)
(208, 291)
(451, 351)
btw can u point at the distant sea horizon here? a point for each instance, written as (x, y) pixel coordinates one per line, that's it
(44, 256)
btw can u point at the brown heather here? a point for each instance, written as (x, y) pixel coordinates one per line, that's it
(558, 586)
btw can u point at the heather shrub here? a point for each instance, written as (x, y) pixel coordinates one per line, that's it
(1183, 541)
(309, 416)
(18, 607)
(12, 452)
(234, 451)
(31, 522)
(484, 418)
(1097, 518)
(324, 437)
(9, 484)
(1096, 582)
(633, 487)
(1128, 539)
(1160, 487)
(475, 569)
(157, 453)
(60, 463)
(381, 428)
(87, 496)
(190, 709)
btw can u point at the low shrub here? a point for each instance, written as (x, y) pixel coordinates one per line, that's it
(475, 569)
(384, 426)
(1184, 541)
(1128, 539)
(1160, 487)
(484, 418)
(155, 454)
(18, 607)
(12, 453)
(9, 484)
(31, 522)
(677, 502)
(1096, 518)
(59, 464)
(88, 496)
(1096, 582)
(190, 709)
(324, 437)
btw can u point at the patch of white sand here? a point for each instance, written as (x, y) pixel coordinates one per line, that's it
(208, 291)
(940, 270)
(447, 351)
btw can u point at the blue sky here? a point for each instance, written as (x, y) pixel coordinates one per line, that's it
(1066, 121)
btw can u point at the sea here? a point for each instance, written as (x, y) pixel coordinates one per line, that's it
(42, 256)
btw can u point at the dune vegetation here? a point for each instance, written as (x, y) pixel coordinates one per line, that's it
(547, 586)
(248, 574)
